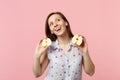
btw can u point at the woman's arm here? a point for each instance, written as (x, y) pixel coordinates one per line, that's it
(40, 60)
(88, 65)
(40, 65)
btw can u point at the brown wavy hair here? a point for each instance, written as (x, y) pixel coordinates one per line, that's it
(53, 37)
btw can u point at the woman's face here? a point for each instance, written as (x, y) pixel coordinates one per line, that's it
(57, 25)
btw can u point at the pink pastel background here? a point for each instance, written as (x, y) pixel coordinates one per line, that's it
(22, 25)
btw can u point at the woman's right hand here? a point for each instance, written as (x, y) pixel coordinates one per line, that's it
(40, 49)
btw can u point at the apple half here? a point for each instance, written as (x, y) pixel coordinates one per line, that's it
(77, 39)
(46, 42)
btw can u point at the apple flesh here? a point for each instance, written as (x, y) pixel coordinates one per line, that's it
(77, 39)
(46, 42)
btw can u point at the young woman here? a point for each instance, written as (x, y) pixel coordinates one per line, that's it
(63, 58)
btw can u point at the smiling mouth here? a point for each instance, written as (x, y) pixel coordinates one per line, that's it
(58, 29)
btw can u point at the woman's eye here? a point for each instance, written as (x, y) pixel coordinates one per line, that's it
(51, 24)
(58, 19)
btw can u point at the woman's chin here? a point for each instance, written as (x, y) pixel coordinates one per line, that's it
(59, 34)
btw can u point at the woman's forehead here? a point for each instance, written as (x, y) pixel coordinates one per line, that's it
(53, 17)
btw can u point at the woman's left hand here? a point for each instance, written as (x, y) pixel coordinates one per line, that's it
(84, 46)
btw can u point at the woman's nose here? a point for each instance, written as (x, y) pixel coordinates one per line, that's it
(55, 25)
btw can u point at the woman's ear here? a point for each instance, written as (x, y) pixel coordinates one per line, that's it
(66, 24)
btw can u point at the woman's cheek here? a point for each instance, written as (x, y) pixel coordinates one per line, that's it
(51, 28)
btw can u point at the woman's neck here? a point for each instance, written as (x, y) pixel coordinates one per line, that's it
(64, 42)
(64, 39)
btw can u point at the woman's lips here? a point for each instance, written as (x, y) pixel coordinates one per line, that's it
(58, 28)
